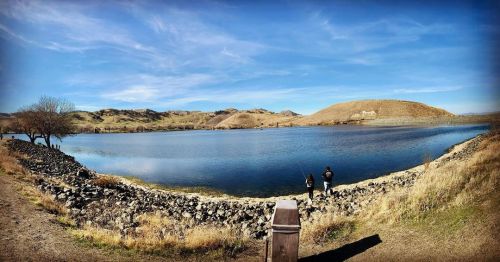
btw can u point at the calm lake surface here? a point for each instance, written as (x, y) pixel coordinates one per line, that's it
(267, 162)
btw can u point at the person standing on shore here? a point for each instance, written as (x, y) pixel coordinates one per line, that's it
(310, 186)
(327, 178)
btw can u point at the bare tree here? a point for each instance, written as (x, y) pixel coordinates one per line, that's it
(26, 123)
(53, 118)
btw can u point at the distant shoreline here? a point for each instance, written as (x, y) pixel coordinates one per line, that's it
(399, 122)
(390, 122)
(381, 112)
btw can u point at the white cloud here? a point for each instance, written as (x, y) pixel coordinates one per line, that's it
(427, 90)
(157, 24)
(75, 25)
(134, 94)
(240, 96)
(87, 107)
(151, 88)
(367, 36)
(471, 107)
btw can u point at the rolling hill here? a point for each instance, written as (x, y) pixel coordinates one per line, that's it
(113, 120)
(367, 110)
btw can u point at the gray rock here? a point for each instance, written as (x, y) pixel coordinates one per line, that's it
(186, 215)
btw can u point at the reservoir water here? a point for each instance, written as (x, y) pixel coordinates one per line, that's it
(266, 162)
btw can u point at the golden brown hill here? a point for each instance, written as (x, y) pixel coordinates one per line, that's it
(371, 110)
(114, 120)
(252, 119)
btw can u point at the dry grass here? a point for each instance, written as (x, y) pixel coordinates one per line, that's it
(44, 200)
(149, 236)
(383, 109)
(152, 235)
(66, 221)
(106, 181)
(121, 122)
(157, 234)
(8, 162)
(456, 184)
(427, 159)
(10, 166)
(99, 236)
(326, 228)
(210, 237)
(454, 206)
(203, 191)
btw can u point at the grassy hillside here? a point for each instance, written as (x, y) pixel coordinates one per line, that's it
(112, 120)
(256, 119)
(371, 110)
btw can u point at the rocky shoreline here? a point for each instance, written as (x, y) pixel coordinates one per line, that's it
(117, 206)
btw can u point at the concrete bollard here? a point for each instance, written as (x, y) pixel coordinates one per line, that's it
(285, 230)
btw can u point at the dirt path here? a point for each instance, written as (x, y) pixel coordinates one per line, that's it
(29, 233)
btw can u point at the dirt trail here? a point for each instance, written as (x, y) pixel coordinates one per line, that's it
(29, 233)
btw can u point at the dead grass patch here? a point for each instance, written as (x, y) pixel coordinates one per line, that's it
(156, 234)
(204, 191)
(327, 228)
(41, 199)
(8, 162)
(106, 181)
(427, 161)
(210, 238)
(455, 184)
(66, 221)
(98, 236)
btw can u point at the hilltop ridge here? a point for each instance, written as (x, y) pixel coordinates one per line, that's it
(365, 112)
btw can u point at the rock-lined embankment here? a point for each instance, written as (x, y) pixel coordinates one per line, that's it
(117, 206)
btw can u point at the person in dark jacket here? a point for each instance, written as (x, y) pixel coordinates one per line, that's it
(327, 179)
(310, 185)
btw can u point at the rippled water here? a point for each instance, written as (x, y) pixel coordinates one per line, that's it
(265, 162)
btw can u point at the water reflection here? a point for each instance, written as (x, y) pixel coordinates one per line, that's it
(264, 162)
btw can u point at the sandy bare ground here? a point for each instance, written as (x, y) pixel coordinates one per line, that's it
(29, 233)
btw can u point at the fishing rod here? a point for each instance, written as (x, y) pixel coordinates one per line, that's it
(301, 170)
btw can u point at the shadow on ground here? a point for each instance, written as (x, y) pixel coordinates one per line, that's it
(346, 251)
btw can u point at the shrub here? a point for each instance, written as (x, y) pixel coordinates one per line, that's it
(106, 181)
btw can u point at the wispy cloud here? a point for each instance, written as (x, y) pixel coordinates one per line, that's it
(75, 31)
(135, 94)
(427, 90)
(259, 96)
(197, 42)
(205, 54)
(372, 35)
(157, 24)
(151, 88)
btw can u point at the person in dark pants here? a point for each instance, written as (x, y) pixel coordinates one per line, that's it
(327, 179)
(310, 185)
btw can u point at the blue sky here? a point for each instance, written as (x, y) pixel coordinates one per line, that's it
(211, 55)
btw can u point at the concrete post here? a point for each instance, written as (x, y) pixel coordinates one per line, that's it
(285, 230)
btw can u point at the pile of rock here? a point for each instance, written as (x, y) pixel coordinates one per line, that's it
(118, 205)
(466, 152)
(50, 162)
